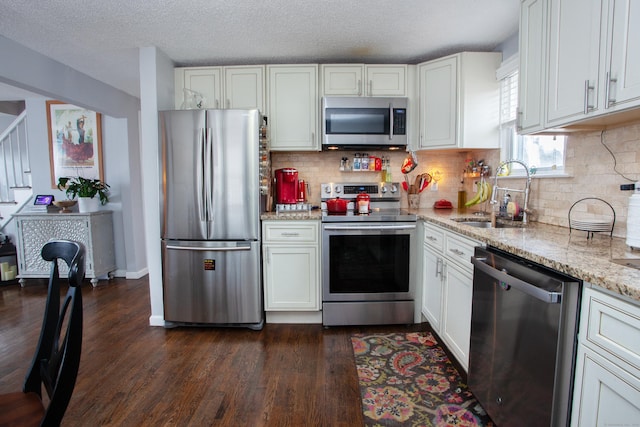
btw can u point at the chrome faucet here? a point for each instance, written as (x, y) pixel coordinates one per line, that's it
(527, 185)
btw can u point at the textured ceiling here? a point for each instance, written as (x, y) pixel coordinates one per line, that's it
(101, 38)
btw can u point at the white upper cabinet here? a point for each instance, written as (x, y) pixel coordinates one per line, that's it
(593, 60)
(574, 56)
(293, 107)
(531, 75)
(459, 101)
(223, 87)
(244, 87)
(622, 62)
(207, 81)
(363, 80)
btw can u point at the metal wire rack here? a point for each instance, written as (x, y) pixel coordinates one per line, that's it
(592, 225)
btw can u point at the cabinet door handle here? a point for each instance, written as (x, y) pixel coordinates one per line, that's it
(439, 265)
(290, 234)
(457, 251)
(359, 87)
(433, 239)
(587, 88)
(519, 119)
(607, 100)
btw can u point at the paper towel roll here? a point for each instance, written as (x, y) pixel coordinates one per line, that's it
(633, 221)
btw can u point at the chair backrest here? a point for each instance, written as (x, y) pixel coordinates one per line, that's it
(57, 358)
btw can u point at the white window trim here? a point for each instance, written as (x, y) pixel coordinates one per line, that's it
(508, 67)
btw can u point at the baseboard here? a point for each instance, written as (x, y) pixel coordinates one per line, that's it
(136, 274)
(156, 321)
(296, 317)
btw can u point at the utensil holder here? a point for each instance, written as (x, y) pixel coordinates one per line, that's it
(414, 201)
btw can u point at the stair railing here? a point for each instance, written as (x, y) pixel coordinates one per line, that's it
(14, 159)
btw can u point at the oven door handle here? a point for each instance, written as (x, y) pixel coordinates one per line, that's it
(506, 282)
(370, 227)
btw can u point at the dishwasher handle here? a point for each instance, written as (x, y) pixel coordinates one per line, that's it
(507, 281)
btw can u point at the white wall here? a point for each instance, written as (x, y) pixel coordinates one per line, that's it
(29, 70)
(156, 93)
(5, 121)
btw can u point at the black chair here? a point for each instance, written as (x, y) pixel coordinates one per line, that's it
(57, 358)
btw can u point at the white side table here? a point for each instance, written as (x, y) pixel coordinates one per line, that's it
(94, 230)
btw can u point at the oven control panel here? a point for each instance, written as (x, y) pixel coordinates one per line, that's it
(349, 190)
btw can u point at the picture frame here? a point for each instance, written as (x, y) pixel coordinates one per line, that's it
(75, 141)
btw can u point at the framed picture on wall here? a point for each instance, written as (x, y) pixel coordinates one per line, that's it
(75, 142)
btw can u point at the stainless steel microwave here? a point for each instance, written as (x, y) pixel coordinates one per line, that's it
(372, 123)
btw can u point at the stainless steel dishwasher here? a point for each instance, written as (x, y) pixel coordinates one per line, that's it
(523, 339)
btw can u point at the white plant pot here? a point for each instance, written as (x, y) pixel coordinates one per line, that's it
(88, 204)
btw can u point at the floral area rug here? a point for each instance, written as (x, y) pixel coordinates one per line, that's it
(406, 379)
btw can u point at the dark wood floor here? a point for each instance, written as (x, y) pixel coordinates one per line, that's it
(132, 374)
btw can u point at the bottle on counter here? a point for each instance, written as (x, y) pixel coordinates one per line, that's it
(462, 199)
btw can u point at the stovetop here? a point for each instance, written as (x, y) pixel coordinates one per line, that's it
(384, 202)
(377, 215)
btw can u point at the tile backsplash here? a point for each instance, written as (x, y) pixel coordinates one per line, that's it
(594, 171)
(316, 168)
(590, 167)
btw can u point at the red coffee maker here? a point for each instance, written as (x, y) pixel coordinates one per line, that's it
(286, 186)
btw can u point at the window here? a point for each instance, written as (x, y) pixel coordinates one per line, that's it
(544, 154)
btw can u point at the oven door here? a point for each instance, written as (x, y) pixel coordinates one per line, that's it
(367, 261)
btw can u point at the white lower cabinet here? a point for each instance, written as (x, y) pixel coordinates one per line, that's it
(291, 260)
(607, 386)
(447, 288)
(432, 288)
(456, 322)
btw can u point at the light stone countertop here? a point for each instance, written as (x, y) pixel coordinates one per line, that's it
(292, 215)
(552, 246)
(557, 248)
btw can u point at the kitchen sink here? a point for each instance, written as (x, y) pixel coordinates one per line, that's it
(478, 223)
(628, 262)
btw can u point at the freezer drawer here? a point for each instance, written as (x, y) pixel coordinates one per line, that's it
(213, 283)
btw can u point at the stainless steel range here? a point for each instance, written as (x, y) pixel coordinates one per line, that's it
(366, 258)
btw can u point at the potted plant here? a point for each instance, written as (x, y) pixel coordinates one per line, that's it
(86, 190)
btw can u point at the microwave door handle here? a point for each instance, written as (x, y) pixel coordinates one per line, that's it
(390, 121)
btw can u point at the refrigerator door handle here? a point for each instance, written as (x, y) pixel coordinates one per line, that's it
(208, 176)
(205, 249)
(201, 180)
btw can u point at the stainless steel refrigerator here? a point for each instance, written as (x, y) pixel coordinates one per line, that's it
(210, 217)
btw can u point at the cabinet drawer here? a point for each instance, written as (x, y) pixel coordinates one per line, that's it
(612, 324)
(433, 237)
(286, 232)
(459, 249)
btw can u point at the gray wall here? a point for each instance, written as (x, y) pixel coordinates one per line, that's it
(42, 75)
